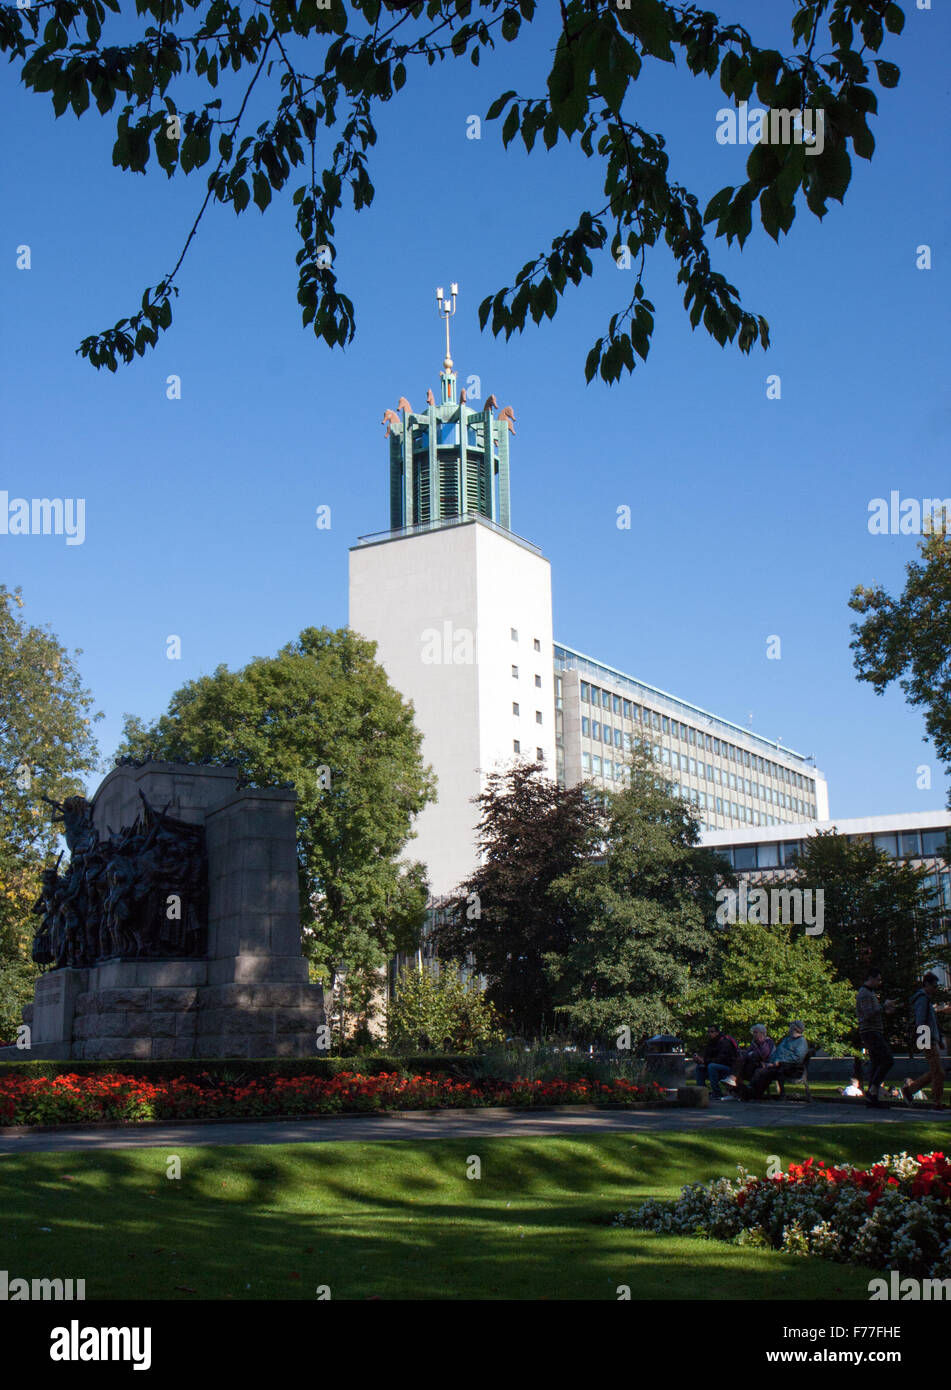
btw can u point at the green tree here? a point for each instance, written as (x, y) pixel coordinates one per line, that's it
(46, 745)
(504, 919)
(908, 639)
(322, 715)
(321, 72)
(772, 974)
(439, 1010)
(877, 911)
(642, 911)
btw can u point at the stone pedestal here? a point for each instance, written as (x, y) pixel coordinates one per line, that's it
(250, 995)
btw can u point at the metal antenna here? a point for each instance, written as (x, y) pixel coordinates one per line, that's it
(446, 308)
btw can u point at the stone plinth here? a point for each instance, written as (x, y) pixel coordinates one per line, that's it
(249, 996)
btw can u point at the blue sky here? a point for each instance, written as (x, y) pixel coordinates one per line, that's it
(749, 515)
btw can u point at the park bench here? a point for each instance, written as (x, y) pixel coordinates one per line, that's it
(799, 1077)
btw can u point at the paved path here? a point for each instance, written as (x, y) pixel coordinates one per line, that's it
(461, 1124)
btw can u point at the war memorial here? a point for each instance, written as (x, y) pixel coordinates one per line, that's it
(174, 929)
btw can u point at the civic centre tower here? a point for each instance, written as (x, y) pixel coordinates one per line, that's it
(460, 609)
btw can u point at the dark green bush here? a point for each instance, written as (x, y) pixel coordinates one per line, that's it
(236, 1068)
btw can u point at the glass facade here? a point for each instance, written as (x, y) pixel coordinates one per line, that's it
(769, 784)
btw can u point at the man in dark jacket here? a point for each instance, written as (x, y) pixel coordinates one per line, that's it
(871, 1020)
(926, 1038)
(718, 1060)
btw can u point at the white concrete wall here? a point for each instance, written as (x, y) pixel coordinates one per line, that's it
(430, 601)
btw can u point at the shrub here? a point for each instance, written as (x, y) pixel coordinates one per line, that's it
(440, 1007)
(894, 1215)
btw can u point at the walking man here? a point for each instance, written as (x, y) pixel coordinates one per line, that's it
(926, 1038)
(871, 1021)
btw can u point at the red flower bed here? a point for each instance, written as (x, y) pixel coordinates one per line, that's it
(931, 1178)
(70, 1099)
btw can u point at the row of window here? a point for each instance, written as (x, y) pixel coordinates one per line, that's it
(516, 710)
(538, 679)
(907, 844)
(535, 642)
(681, 762)
(628, 709)
(595, 765)
(517, 748)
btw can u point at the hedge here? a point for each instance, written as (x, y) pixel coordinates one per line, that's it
(234, 1068)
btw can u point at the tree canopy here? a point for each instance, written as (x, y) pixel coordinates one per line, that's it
(772, 974)
(180, 76)
(320, 714)
(877, 911)
(643, 912)
(908, 639)
(46, 746)
(505, 919)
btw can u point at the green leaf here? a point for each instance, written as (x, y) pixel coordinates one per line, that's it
(894, 19)
(592, 360)
(510, 126)
(718, 204)
(834, 171)
(262, 190)
(499, 105)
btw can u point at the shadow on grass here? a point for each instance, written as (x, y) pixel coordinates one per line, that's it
(400, 1219)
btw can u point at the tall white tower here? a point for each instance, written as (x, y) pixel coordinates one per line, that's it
(460, 610)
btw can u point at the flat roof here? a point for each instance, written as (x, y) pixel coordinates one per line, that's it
(694, 712)
(857, 825)
(423, 528)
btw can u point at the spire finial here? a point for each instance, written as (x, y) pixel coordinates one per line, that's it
(446, 308)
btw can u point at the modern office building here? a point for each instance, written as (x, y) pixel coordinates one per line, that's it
(731, 775)
(917, 837)
(460, 609)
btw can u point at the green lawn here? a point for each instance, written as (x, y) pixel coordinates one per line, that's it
(401, 1220)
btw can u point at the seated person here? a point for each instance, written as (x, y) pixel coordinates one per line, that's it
(758, 1053)
(718, 1060)
(785, 1061)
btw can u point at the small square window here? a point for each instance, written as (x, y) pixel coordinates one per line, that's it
(514, 634)
(516, 746)
(537, 645)
(539, 755)
(538, 716)
(538, 682)
(514, 673)
(515, 707)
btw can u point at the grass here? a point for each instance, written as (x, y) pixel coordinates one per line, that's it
(402, 1220)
